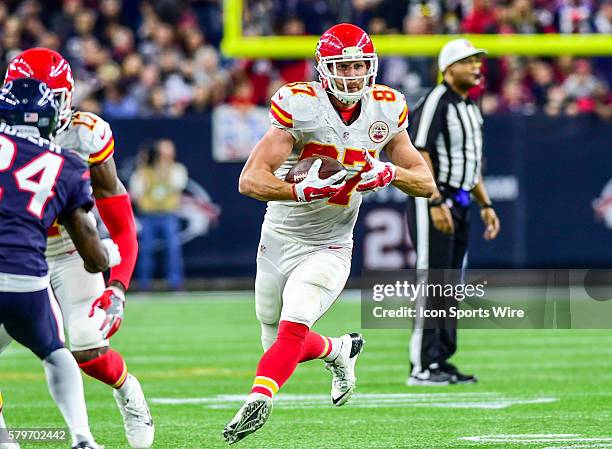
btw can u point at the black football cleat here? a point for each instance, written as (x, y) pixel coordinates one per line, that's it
(460, 378)
(431, 377)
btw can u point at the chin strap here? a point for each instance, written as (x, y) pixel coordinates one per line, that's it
(343, 100)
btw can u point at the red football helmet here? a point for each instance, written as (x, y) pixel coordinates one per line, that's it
(50, 67)
(345, 43)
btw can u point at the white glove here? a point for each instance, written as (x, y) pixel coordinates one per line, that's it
(313, 188)
(112, 301)
(112, 251)
(379, 175)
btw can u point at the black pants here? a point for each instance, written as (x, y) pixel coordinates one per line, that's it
(435, 340)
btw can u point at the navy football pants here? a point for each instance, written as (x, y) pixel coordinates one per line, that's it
(30, 319)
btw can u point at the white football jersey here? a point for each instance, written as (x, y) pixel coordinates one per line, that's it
(305, 111)
(91, 137)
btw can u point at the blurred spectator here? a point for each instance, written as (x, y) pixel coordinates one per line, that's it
(391, 11)
(259, 17)
(117, 105)
(164, 56)
(603, 18)
(574, 16)
(542, 81)
(556, 101)
(156, 105)
(582, 83)
(63, 21)
(292, 71)
(243, 94)
(178, 91)
(90, 104)
(202, 99)
(524, 18)
(156, 186)
(148, 79)
(258, 75)
(514, 98)
(482, 19)
(122, 42)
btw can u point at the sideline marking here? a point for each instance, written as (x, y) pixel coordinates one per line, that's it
(493, 401)
(542, 438)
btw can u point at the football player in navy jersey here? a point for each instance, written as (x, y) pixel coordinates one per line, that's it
(39, 182)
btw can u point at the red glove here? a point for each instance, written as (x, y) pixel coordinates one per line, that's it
(313, 188)
(112, 302)
(380, 174)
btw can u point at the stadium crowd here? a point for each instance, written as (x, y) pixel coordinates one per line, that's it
(160, 58)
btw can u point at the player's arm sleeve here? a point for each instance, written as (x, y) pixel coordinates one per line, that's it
(280, 112)
(115, 209)
(118, 217)
(426, 124)
(112, 200)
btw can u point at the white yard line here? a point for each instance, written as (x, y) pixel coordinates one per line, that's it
(494, 401)
(581, 446)
(538, 438)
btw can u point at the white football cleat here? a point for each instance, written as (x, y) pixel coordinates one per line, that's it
(251, 417)
(137, 421)
(343, 368)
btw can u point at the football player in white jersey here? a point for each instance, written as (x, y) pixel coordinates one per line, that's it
(92, 311)
(306, 241)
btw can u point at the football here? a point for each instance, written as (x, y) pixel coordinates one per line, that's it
(329, 167)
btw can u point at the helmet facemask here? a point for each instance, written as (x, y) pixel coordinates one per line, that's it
(336, 84)
(64, 100)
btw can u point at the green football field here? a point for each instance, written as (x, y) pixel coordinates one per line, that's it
(196, 355)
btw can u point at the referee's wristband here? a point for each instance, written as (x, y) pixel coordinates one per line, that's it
(487, 206)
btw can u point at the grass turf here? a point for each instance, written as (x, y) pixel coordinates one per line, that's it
(190, 347)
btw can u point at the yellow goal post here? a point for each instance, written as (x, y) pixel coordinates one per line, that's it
(235, 45)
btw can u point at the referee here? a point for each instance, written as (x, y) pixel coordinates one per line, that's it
(447, 128)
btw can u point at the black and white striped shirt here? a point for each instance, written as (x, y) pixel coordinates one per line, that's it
(449, 128)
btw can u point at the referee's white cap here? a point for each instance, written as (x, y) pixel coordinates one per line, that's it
(456, 50)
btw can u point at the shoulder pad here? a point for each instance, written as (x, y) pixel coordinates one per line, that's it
(392, 104)
(95, 137)
(297, 105)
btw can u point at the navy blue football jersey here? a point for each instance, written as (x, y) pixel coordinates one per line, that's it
(39, 181)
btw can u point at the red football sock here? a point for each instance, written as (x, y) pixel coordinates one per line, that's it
(279, 362)
(109, 368)
(315, 347)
